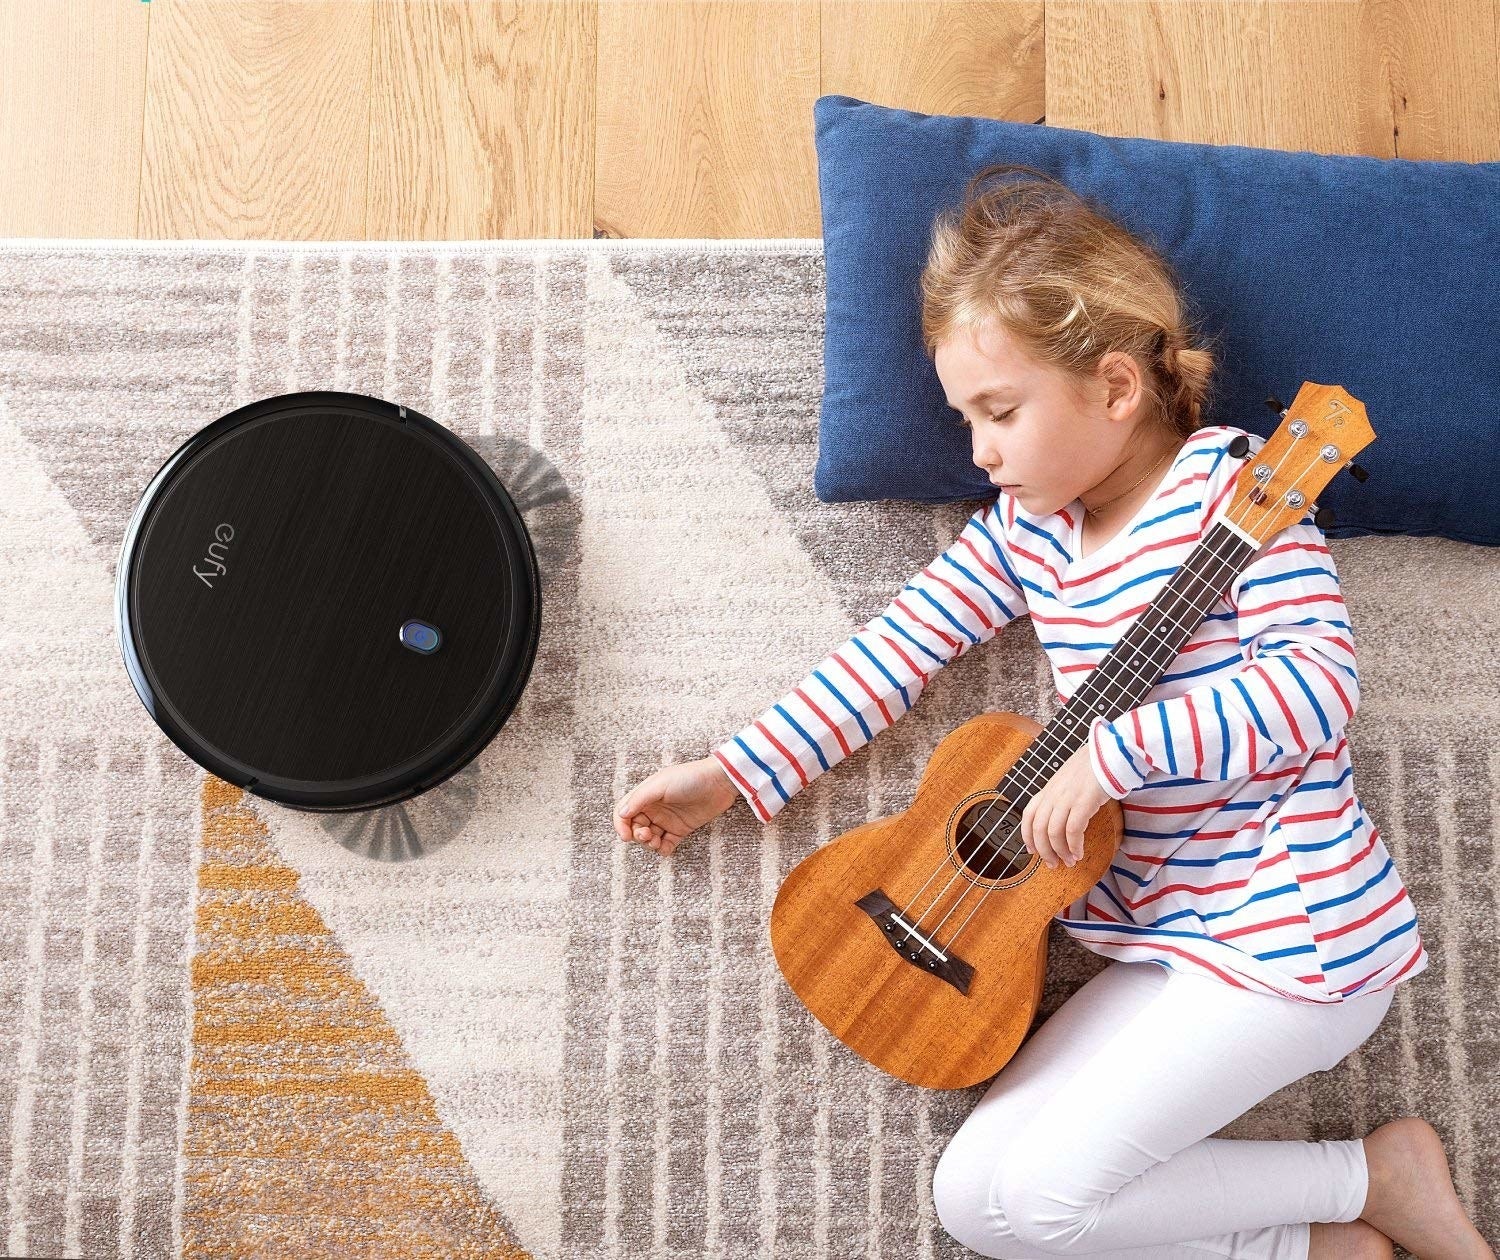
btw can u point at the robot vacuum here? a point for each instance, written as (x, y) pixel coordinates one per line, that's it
(329, 600)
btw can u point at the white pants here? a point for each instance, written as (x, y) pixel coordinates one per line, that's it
(1093, 1138)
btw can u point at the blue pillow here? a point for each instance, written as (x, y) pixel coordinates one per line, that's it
(1380, 275)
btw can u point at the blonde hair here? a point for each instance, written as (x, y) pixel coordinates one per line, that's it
(1067, 282)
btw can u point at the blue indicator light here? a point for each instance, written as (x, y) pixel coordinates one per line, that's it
(420, 637)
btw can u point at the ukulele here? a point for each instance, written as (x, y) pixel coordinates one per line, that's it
(919, 940)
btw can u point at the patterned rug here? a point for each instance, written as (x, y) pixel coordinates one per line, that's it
(478, 1024)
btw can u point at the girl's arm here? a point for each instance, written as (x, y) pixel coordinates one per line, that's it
(1296, 691)
(966, 595)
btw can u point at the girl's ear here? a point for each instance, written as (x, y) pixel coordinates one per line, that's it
(1123, 381)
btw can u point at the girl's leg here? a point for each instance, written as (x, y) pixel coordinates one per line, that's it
(1138, 1064)
(1121, 1157)
(963, 1180)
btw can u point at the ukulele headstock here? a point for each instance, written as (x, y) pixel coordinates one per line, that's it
(1324, 429)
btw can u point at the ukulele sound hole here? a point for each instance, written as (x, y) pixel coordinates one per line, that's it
(988, 840)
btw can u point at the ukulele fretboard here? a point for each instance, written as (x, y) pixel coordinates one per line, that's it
(1126, 675)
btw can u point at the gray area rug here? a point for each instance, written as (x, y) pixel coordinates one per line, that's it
(599, 1037)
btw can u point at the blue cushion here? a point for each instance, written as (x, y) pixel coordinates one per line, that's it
(1379, 275)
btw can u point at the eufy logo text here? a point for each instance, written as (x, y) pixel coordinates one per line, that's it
(218, 552)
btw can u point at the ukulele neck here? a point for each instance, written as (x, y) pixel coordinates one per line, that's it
(1126, 675)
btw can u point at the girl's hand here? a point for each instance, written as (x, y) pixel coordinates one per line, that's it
(1053, 821)
(663, 810)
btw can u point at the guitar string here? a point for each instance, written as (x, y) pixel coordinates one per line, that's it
(1217, 581)
(1001, 848)
(1266, 507)
(1029, 784)
(1234, 543)
(1080, 695)
(1121, 664)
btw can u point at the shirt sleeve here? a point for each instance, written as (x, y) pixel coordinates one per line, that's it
(963, 598)
(1297, 688)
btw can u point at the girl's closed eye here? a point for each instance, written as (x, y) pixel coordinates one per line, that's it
(1004, 415)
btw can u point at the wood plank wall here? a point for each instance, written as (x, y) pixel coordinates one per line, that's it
(472, 119)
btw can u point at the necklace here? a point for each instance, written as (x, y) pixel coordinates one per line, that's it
(1094, 511)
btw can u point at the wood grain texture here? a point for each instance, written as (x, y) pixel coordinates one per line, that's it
(481, 119)
(1385, 78)
(72, 82)
(943, 57)
(705, 118)
(257, 120)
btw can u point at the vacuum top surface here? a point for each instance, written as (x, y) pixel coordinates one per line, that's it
(328, 599)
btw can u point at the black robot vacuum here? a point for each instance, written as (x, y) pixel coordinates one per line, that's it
(329, 600)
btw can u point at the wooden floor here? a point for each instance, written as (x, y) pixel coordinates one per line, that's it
(467, 119)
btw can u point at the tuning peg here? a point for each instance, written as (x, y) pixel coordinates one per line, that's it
(1355, 471)
(1275, 404)
(1322, 517)
(1239, 446)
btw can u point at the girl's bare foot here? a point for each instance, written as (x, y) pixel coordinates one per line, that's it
(1347, 1240)
(1411, 1199)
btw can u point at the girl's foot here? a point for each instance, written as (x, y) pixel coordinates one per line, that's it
(1411, 1198)
(1347, 1240)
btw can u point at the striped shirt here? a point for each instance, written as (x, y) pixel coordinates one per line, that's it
(1246, 854)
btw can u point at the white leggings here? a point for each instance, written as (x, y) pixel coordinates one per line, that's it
(1093, 1139)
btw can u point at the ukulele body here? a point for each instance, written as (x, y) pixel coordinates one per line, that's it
(840, 957)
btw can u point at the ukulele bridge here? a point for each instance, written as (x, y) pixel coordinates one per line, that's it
(915, 948)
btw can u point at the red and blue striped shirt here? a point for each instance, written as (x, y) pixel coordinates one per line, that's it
(1246, 854)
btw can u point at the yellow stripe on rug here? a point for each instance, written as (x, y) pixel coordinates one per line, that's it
(309, 1133)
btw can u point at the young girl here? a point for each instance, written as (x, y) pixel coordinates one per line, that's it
(1248, 872)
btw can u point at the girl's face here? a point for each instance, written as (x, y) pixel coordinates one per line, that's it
(1041, 435)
